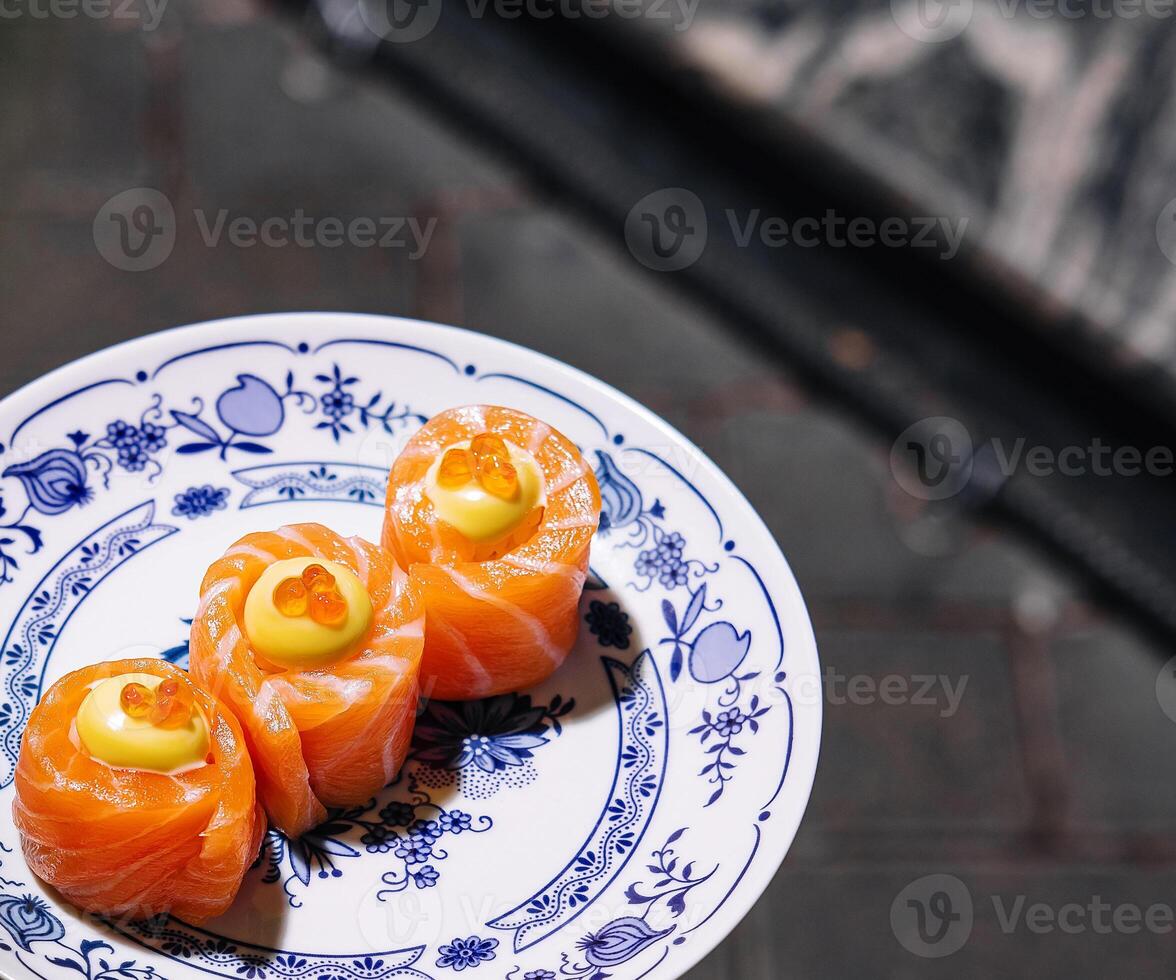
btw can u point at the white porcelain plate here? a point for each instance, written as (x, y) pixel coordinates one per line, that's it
(616, 821)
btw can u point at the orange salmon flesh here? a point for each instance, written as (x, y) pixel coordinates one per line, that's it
(124, 842)
(326, 737)
(507, 623)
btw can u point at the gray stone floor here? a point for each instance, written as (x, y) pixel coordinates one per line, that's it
(1052, 779)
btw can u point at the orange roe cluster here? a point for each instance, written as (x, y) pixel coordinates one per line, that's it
(315, 592)
(169, 706)
(136, 700)
(487, 459)
(173, 705)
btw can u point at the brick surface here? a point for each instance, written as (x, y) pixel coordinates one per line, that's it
(907, 716)
(1117, 739)
(72, 130)
(327, 140)
(837, 924)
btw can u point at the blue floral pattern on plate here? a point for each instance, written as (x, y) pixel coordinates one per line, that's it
(689, 628)
(462, 953)
(483, 747)
(248, 411)
(408, 831)
(200, 501)
(715, 652)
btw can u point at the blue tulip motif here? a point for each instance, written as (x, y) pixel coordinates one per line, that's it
(620, 940)
(28, 920)
(251, 408)
(54, 482)
(717, 652)
(619, 497)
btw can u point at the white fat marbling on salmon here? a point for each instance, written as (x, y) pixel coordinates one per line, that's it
(411, 630)
(538, 436)
(376, 720)
(399, 583)
(474, 416)
(484, 681)
(568, 479)
(406, 492)
(85, 846)
(140, 869)
(217, 590)
(532, 624)
(269, 709)
(519, 559)
(420, 449)
(570, 524)
(296, 537)
(227, 644)
(251, 551)
(390, 664)
(437, 551)
(362, 566)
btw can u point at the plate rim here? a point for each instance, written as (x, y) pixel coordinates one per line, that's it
(750, 887)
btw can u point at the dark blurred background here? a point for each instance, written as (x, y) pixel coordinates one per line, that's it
(795, 229)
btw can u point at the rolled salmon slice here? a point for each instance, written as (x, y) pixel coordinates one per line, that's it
(326, 736)
(505, 623)
(152, 842)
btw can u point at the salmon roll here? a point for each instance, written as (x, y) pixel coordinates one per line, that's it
(492, 512)
(314, 641)
(135, 794)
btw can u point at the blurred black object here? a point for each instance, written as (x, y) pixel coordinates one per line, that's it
(592, 114)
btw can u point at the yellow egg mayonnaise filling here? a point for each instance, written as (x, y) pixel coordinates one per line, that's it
(111, 735)
(299, 642)
(478, 514)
